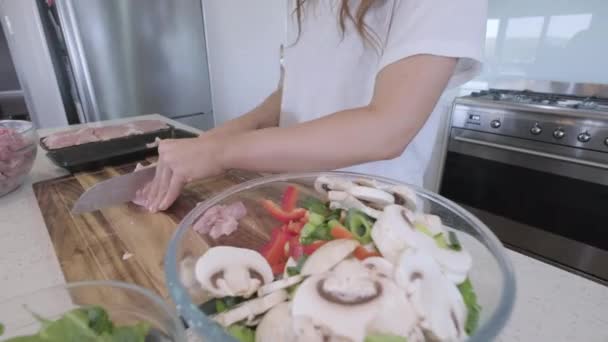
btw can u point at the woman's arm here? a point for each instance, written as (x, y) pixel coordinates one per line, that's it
(405, 94)
(264, 115)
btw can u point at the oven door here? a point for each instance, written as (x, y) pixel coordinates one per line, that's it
(541, 199)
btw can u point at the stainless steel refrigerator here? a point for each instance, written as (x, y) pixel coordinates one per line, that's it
(121, 58)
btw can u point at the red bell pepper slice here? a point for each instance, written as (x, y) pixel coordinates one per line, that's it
(278, 268)
(339, 232)
(274, 250)
(282, 215)
(294, 227)
(310, 249)
(290, 198)
(363, 253)
(296, 250)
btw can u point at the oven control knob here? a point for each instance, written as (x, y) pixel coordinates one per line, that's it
(495, 124)
(536, 129)
(559, 133)
(606, 142)
(584, 137)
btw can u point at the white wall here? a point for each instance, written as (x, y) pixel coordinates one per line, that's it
(243, 40)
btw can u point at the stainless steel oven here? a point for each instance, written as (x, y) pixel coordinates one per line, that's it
(534, 167)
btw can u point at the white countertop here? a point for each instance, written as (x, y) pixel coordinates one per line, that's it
(551, 305)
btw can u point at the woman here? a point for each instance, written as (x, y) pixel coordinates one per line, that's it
(361, 81)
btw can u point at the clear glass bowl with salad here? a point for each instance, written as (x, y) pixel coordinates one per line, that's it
(96, 311)
(337, 257)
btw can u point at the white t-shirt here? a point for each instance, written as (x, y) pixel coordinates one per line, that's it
(326, 71)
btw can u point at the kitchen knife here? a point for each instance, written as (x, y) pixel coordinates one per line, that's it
(113, 191)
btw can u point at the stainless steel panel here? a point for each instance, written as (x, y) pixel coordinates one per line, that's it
(518, 123)
(529, 154)
(550, 247)
(137, 57)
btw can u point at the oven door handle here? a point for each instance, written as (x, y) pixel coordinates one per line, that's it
(531, 152)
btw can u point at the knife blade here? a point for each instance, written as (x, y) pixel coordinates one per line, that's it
(113, 191)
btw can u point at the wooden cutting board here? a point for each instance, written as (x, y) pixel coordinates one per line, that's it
(94, 246)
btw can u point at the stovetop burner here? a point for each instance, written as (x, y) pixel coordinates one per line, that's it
(545, 99)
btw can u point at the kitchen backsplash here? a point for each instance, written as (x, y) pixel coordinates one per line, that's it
(557, 40)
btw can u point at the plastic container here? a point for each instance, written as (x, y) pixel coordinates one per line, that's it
(17, 153)
(126, 304)
(492, 274)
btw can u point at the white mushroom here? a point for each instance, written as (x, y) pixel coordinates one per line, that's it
(279, 285)
(396, 315)
(231, 271)
(394, 231)
(431, 222)
(349, 303)
(404, 196)
(276, 325)
(250, 309)
(379, 266)
(324, 184)
(344, 200)
(327, 256)
(454, 264)
(345, 305)
(435, 298)
(375, 198)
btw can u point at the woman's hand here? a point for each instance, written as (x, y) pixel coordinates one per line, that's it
(179, 162)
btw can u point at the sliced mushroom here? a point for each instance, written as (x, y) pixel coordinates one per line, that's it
(188, 279)
(279, 285)
(454, 264)
(430, 222)
(324, 184)
(404, 196)
(231, 271)
(394, 231)
(276, 325)
(250, 309)
(328, 256)
(345, 305)
(379, 266)
(375, 198)
(344, 200)
(396, 315)
(434, 297)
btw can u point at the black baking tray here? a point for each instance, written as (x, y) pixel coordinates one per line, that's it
(96, 155)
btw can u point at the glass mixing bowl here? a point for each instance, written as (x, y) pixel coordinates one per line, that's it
(18, 146)
(492, 274)
(125, 304)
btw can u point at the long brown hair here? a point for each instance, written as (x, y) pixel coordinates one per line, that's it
(345, 14)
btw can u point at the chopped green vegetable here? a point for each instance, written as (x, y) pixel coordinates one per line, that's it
(473, 308)
(99, 320)
(220, 306)
(310, 235)
(454, 244)
(241, 333)
(360, 225)
(295, 270)
(335, 215)
(315, 219)
(385, 338)
(307, 230)
(423, 229)
(333, 223)
(314, 205)
(136, 333)
(1, 329)
(440, 241)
